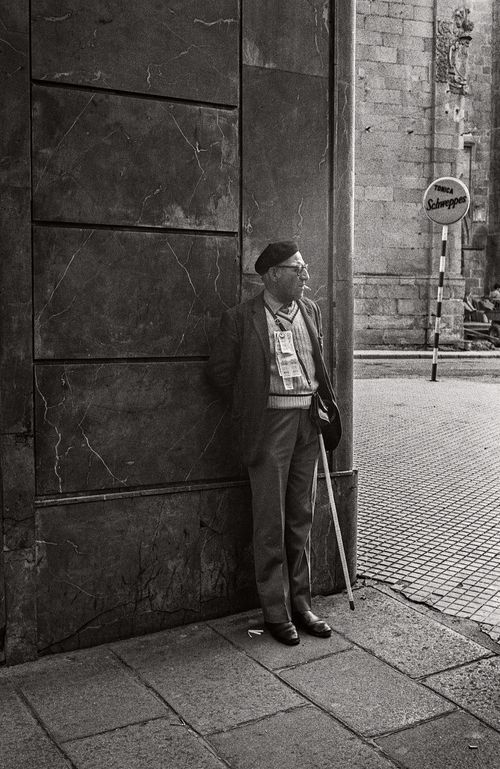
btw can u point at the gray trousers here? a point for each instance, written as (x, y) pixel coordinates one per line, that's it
(283, 484)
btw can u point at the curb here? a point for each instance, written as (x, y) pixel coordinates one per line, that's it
(428, 354)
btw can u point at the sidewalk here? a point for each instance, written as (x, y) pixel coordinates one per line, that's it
(399, 684)
(393, 687)
(401, 354)
(428, 457)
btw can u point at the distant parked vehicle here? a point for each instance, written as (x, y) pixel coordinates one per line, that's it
(482, 319)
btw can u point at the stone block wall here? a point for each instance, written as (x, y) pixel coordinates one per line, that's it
(393, 310)
(478, 132)
(475, 272)
(412, 128)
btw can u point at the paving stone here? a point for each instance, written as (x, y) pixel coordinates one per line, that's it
(269, 652)
(474, 687)
(304, 738)
(417, 489)
(398, 634)
(83, 693)
(366, 694)
(144, 746)
(456, 741)
(23, 743)
(209, 682)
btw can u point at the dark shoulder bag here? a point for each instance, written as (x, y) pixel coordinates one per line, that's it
(326, 417)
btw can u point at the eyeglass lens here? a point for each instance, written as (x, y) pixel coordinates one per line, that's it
(300, 269)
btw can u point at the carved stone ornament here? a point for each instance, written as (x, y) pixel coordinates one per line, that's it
(452, 50)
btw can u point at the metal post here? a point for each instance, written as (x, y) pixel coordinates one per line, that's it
(437, 326)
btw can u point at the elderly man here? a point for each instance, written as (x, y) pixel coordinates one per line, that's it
(267, 360)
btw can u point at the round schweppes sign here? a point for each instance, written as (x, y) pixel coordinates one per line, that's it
(446, 200)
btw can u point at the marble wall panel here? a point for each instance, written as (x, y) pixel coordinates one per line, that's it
(122, 425)
(20, 634)
(285, 167)
(15, 214)
(16, 393)
(15, 311)
(3, 615)
(227, 571)
(111, 569)
(251, 285)
(111, 159)
(17, 490)
(287, 34)
(186, 48)
(14, 106)
(326, 566)
(102, 293)
(126, 566)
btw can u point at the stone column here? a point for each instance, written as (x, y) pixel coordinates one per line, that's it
(342, 107)
(342, 214)
(17, 523)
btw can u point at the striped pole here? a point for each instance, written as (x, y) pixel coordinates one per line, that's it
(437, 326)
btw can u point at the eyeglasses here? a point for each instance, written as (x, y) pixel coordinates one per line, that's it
(300, 269)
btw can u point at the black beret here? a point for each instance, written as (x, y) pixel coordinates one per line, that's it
(275, 253)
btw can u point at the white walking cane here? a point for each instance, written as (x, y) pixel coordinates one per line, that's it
(335, 517)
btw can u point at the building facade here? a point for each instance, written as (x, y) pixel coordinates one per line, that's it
(426, 107)
(150, 152)
(148, 156)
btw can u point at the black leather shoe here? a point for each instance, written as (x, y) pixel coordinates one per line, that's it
(284, 632)
(312, 624)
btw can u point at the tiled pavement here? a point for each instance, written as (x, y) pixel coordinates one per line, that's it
(428, 455)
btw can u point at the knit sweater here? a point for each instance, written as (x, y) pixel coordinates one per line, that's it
(300, 395)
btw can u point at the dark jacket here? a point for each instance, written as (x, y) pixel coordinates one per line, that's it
(239, 367)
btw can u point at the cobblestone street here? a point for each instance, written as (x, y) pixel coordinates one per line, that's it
(428, 455)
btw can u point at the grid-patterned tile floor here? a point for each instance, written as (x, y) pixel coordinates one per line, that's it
(428, 455)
